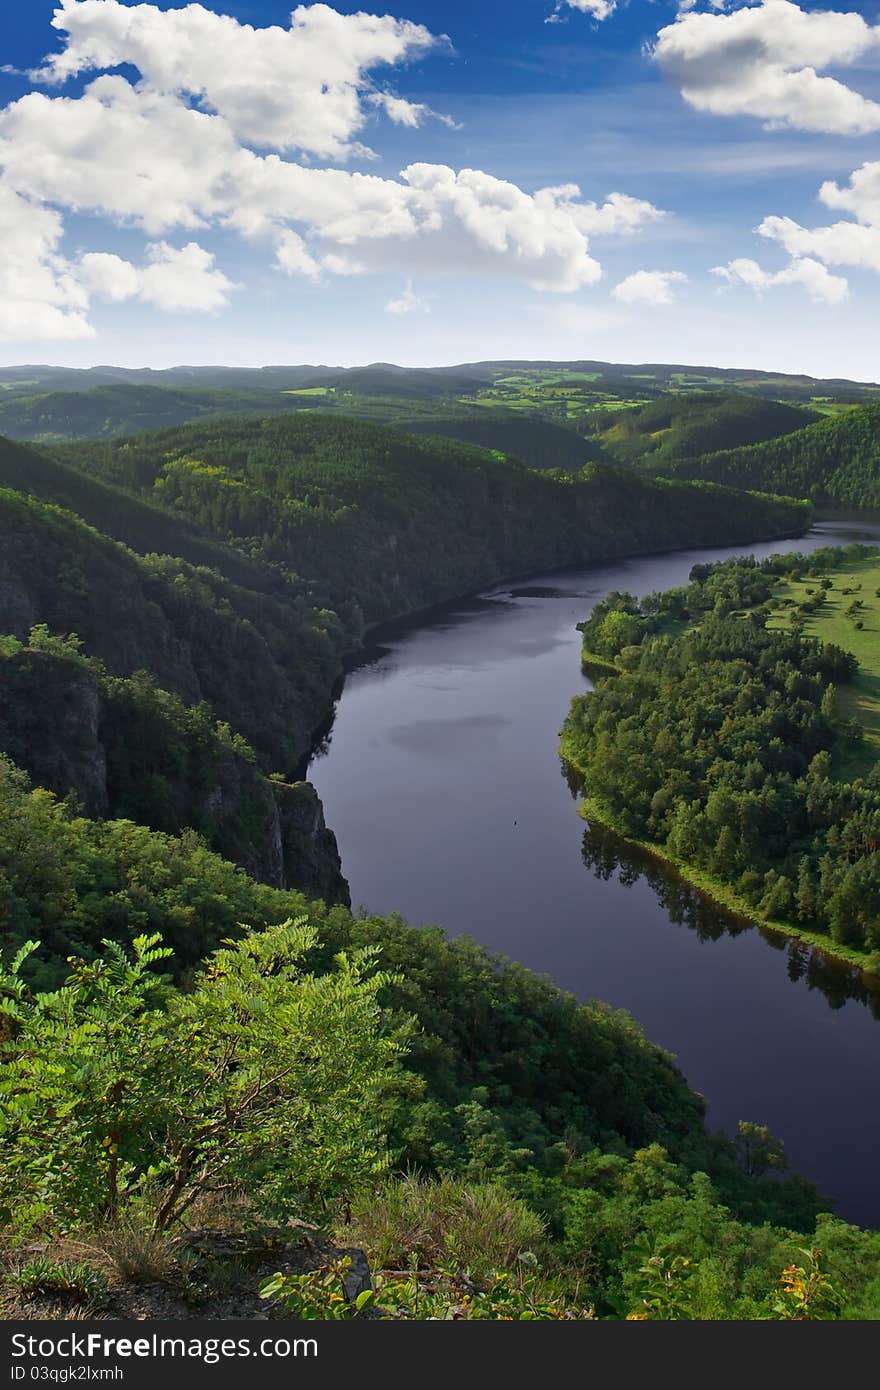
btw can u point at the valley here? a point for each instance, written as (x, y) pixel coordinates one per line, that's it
(179, 610)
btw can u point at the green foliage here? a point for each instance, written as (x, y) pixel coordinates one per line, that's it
(484, 1227)
(713, 743)
(445, 1295)
(263, 662)
(262, 1076)
(69, 882)
(356, 507)
(42, 1277)
(124, 408)
(672, 428)
(537, 443)
(834, 462)
(806, 1293)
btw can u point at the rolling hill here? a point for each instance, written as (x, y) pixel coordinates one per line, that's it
(835, 462)
(384, 523)
(675, 427)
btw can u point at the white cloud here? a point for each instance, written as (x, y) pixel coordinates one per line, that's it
(408, 302)
(408, 113)
(619, 215)
(40, 294)
(841, 243)
(170, 152)
(598, 9)
(653, 287)
(293, 256)
(149, 159)
(173, 280)
(764, 60)
(45, 295)
(299, 88)
(809, 274)
(861, 196)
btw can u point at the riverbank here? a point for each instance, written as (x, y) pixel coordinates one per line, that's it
(722, 894)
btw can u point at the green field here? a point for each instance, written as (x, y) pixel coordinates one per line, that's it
(825, 405)
(830, 624)
(559, 397)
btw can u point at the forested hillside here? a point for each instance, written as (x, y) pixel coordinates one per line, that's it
(264, 663)
(141, 523)
(127, 749)
(176, 980)
(563, 1167)
(834, 463)
(110, 410)
(536, 442)
(256, 554)
(686, 426)
(389, 523)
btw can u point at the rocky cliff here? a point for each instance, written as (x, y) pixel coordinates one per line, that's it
(125, 749)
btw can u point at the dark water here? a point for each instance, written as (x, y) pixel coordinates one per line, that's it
(442, 780)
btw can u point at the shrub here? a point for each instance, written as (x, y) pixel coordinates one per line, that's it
(140, 1255)
(42, 1277)
(261, 1076)
(479, 1228)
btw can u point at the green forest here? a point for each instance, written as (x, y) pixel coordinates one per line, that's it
(464, 1121)
(751, 430)
(195, 1030)
(835, 463)
(686, 426)
(720, 739)
(352, 507)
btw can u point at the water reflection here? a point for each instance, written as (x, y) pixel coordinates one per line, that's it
(610, 857)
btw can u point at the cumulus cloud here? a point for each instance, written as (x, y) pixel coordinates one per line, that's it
(408, 302)
(408, 113)
(299, 88)
(149, 159)
(861, 196)
(811, 275)
(654, 287)
(764, 60)
(40, 294)
(199, 142)
(841, 243)
(46, 295)
(853, 243)
(598, 9)
(174, 280)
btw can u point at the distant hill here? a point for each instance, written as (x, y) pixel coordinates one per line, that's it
(106, 411)
(686, 426)
(834, 463)
(139, 522)
(383, 378)
(262, 662)
(535, 442)
(384, 522)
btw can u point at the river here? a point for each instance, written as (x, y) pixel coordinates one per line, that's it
(441, 778)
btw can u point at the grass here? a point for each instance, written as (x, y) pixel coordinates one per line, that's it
(557, 398)
(480, 1227)
(861, 699)
(825, 406)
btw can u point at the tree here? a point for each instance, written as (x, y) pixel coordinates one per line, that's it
(758, 1150)
(263, 1077)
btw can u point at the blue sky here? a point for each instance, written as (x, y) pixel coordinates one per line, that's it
(195, 192)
